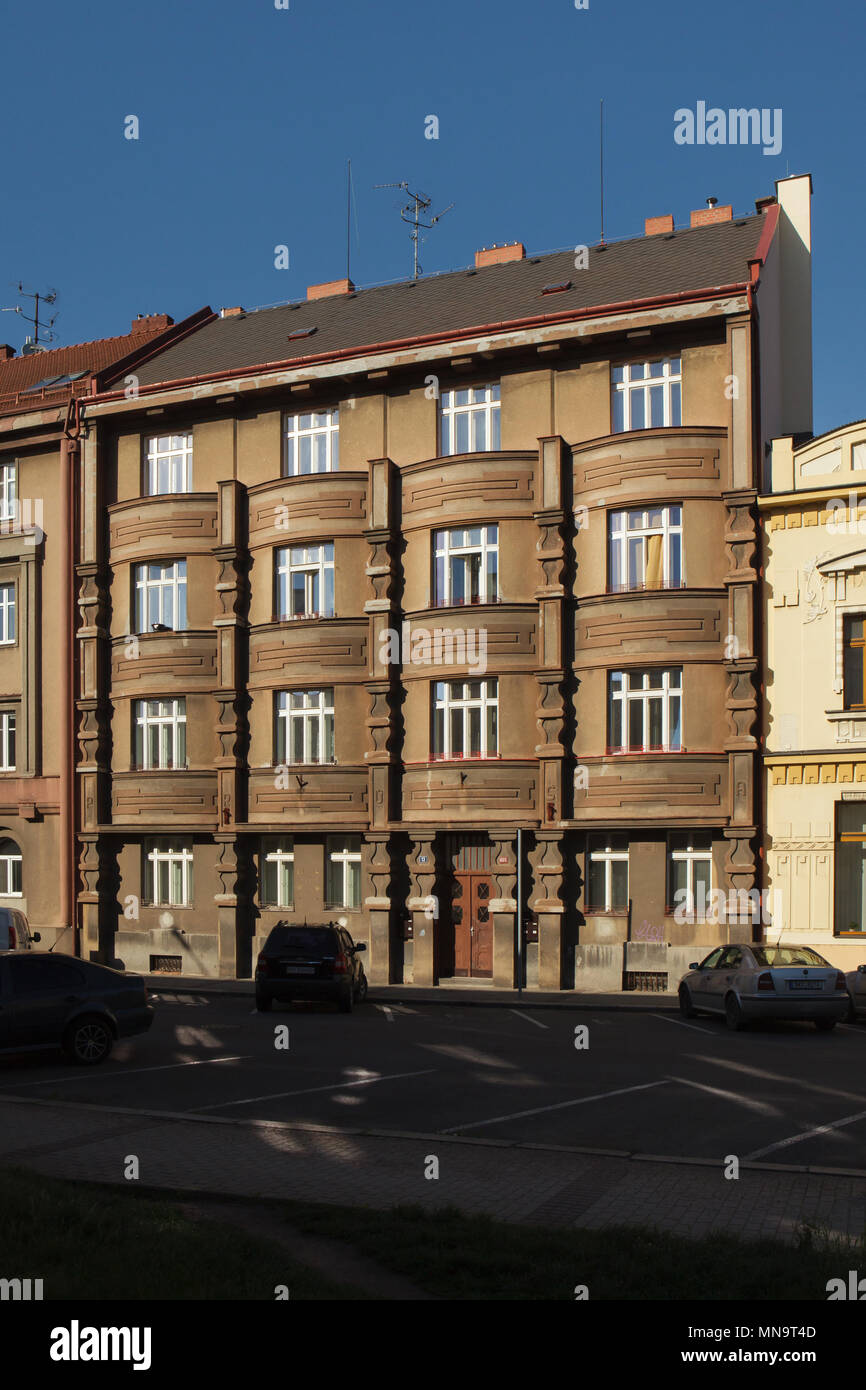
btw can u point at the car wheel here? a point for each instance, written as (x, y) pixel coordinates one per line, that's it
(734, 1014)
(347, 1001)
(362, 988)
(687, 1008)
(825, 1025)
(88, 1041)
(263, 1003)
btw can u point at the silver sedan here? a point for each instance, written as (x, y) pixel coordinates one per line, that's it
(744, 982)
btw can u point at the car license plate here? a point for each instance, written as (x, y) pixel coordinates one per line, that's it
(805, 984)
(300, 970)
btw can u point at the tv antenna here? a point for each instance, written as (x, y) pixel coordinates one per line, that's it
(47, 335)
(411, 212)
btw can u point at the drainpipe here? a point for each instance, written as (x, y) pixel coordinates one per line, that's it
(69, 456)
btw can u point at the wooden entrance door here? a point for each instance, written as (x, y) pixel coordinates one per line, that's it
(473, 924)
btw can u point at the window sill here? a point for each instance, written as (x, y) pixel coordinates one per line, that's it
(640, 752)
(465, 757)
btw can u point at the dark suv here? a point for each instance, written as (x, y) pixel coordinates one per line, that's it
(303, 962)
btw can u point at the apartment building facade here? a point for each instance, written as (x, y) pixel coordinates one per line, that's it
(371, 582)
(814, 522)
(39, 451)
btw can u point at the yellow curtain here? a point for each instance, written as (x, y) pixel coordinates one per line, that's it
(654, 575)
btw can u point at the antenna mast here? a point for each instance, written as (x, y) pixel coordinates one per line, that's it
(411, 213)
(601, 163)
(47, 335)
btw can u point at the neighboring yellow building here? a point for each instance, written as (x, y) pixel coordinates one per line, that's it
(814, 530)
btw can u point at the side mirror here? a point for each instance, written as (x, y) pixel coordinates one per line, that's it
(695, 965)
(36, 936)
(861, 969)
(360, 945)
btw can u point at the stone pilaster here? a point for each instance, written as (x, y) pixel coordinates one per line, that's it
(503, 909)
(425, 911)
(551, 594)
(380, 910)
(382, 608)
(547, 868)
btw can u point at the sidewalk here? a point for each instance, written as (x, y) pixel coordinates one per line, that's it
(532, 1184)
(439, 994)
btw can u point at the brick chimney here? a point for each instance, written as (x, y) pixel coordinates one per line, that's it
(6, 352)
(233, 312)
(329, 288)
(654, 226)
(151, 324)
(498, 255)
(702, 217)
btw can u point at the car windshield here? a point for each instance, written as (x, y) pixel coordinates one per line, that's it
(777, 957)
(310, 940)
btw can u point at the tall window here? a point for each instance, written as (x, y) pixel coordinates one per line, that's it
(305, 581)
(7, 740)
(343, 888)
(312, 443)
(607, 875)
(305, 726)
(8, 491)
(645, 711)
(160, 595)
(160, 734)
(168, 873)
(10, 870)
(169, 463)
(647, 395)
(469, 420)
(850, 857)
(645, 549)
(690, 871)
(466, 565)
(7, 613)
(278, 871)
(854, 662)
(465, 719)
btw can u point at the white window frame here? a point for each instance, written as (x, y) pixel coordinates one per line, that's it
(602, 851)
(170, 858)
(323, 432)
(9, 491)
(168, 719)
(450, 545)
(455, 697)
(620, 533)
(168, 458)
(169, 588)
(7, 615)
(313, 709)
(278, 851)
(8, 731)
(669, 693)
(8, 862)
(480, 408)
(631, 383)
(316, 563)
(690, 857)
(342, 856)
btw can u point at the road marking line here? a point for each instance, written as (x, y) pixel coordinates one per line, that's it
(679, 1021)
(530, 1020)
(807, 1134)
(138, 1071)
(563, 1105)
(386, 1011)
(736, 1096)
(310, 1090)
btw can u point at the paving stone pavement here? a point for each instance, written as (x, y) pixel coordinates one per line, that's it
(524, 1184)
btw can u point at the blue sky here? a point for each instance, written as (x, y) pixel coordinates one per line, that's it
(248, 115)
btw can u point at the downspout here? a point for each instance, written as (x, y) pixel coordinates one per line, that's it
(69, 457)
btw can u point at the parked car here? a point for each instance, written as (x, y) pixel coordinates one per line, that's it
(50, 1001)
(15, 933)
(310, 962)
(855, 981)
(751, 981)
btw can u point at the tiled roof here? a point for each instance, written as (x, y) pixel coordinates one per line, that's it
(20, 374)
(681, 262)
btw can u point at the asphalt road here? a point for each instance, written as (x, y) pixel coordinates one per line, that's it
(646, 1082)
